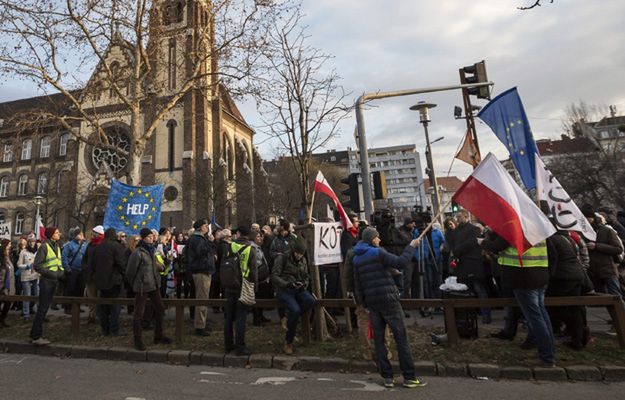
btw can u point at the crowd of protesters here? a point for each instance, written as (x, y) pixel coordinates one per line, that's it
(273, 262)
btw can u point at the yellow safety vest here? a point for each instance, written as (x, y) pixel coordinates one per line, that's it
(53, 260)
(534, 257)
(244, 257)
(167, 268)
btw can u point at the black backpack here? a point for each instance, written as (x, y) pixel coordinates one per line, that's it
(230, 269)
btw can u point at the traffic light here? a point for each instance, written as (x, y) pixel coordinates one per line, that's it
(353, 192)
(476, 73)
(379, 185)
(454, 207)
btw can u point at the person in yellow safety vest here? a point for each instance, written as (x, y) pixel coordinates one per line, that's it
(164, 258)
(48, 263)
(236, 311)
(528, 279)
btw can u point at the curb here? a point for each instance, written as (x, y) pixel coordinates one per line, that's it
(574, 373)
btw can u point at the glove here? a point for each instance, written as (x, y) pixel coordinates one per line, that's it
(291, 285)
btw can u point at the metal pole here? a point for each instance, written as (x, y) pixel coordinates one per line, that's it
(364, 160)
(432, 174)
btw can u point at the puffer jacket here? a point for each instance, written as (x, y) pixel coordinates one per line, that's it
(141, 271)
(287, 270)
(469, 254)
(373, 281)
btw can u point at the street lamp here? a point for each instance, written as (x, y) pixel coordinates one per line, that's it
(37, 200)
(424, 117)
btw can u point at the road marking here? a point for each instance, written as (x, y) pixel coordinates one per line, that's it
(221, 382)
(368, 387)
(12, 360)
(274, 380)
(134, 398)
(211, 373)
(325, 379)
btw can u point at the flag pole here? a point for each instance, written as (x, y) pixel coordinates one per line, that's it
(434, 219)
(312, 205)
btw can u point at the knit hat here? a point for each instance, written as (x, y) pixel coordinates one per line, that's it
(299, 246)
(199, 222)
(369, 234)
(145, 232)
(50, 231)
(74, 232)
(99, 229)
(588, 210)
(5, 242)
(243, 231)
(163, 231)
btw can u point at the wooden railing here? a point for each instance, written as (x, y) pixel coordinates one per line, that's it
(613, 304)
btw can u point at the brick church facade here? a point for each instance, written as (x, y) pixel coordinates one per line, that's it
(202, 150)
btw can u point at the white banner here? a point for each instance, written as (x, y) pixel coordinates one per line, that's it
(327, 241)
(5, 230)
(566, 214)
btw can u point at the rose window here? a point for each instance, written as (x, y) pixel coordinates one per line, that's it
(114, 159)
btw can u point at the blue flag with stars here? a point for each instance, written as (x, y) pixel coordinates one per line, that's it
(505, 115)
(130, 208)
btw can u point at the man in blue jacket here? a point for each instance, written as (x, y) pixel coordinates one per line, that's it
(376, 290)
(430, 263)
(71, 256)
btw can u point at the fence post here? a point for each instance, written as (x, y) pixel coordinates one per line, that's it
(617, 312)
(179, 323)
(450, 322)
(75, 320)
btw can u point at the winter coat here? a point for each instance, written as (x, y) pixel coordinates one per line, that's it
(108, 264)
(281, 245)
(423, 251)
(607, 245)
(373, 282)
(40, 258)
(87, 269)
(200, 254)
(73, 252)
(287, 270)
(469, 254)
(141, 272)
(7, 277)
(564, 266)
(25, 265)
(252, 264)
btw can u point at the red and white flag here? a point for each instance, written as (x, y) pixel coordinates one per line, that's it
(40, 230)
(322, 186)
(493, 196)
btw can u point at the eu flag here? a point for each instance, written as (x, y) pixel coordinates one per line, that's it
(130, 208)
(506, 117)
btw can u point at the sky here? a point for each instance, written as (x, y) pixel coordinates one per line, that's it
(556, 54)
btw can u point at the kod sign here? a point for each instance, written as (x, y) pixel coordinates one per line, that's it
(327, 240)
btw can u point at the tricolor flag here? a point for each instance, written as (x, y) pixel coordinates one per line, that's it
(566, 215)
(322, 186)
(39, 228)
(491, 194)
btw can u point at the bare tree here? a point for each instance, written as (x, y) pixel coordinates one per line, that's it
(58, 44)
(580, 113)
(301, 100)
(533, 5)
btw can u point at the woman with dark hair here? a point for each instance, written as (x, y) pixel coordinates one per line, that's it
(7, 279)
(29, 278)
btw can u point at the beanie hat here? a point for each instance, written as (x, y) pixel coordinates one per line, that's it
(99, 229)
(50, 231)
(244, 231)
(145, 232)
(5, 242)
(588, 210)
(369, 234)
(163, 231)
(299, 246)
(198, 223)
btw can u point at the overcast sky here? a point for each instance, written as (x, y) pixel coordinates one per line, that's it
(555, 54)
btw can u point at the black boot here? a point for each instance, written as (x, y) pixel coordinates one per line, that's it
(139, 344)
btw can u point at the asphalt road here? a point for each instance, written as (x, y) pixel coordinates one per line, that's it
(34, 377)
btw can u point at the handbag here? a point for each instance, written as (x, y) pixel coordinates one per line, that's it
(247, 296)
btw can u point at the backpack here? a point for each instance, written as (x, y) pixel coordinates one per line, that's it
(230, 269)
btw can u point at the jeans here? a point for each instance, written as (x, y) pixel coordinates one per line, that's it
(432, 279)
(393, 316)
(74, 286)
(297, 302)
(47, 288)
(532, 303)
(236, 315)
(29, 288)
(478, 286)
(407, 276)
(159, 312)
(109, 314)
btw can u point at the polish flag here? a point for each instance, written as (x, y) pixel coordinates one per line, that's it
(322, 186)
(493, 196)
(40, 230)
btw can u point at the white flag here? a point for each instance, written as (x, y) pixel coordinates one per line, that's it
(566, 214)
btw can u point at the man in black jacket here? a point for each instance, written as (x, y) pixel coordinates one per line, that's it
(201, 255)
(108, 266)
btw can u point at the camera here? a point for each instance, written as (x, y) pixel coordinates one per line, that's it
(422, 218)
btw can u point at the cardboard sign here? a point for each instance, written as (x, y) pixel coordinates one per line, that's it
(327, 241)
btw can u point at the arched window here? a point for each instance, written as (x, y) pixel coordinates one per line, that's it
(113, 78)
(19, 223)
(171, 144)
(4, 186)
(171, 64)
(60, 181)
(42, 183)
(22, 185)
(8, 152)
(179, 11)
(63, 144)
(27, 146)
(44, 147)
(2, 217)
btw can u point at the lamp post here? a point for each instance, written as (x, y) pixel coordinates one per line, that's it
(424, 117)
(37, 200)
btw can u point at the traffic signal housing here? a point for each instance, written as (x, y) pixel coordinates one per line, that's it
(379, 185)
(454, 207)
(476, 73)
(353, 203)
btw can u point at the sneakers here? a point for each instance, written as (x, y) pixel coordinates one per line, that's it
(389, 383)
(40, 342)
(413, 383)
(288, 348)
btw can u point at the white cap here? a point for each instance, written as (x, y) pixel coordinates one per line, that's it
(99, 229)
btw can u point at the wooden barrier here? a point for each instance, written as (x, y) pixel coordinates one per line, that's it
(613, 304)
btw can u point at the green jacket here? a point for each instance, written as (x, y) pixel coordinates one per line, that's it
(287, 270)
